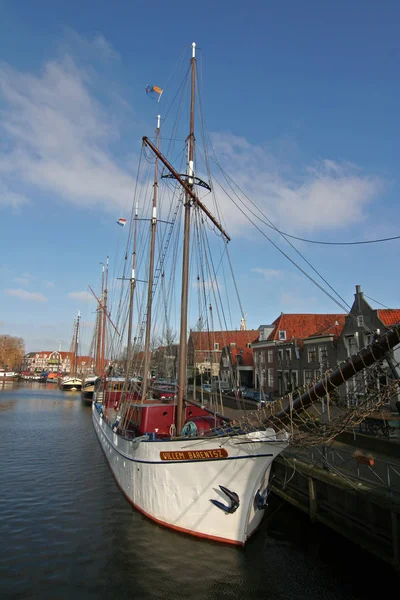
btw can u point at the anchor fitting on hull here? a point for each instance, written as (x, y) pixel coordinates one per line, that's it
(234, 501)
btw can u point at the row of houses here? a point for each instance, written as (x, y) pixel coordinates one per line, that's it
(55, 361)
(293, 351)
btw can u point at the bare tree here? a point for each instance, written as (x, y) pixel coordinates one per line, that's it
(12, 350)
(200, 325)
(168, 338)
(164, 356)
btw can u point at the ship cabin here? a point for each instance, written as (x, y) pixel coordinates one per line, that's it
(155, 416)
(157, 419)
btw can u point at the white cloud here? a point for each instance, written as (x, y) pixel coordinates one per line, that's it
(82, 296)
(268, 273)
(8, 197)
(89, 47)
(58, 135)
(22, 280)
(326, 195)
(59, 138)
(24, 295)
(49, 284)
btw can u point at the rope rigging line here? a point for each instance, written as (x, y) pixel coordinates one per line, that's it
(345, 306)
(272, 226)
(226, 176)
(283, 253)
(358, 243)
(300, 239)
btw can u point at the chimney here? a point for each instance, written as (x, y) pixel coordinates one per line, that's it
(358, 297)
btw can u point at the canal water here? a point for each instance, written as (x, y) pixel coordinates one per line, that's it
(66, 530)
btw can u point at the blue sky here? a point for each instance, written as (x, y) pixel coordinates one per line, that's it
(301, 100)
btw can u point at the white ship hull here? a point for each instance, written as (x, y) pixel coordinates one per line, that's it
(8, 376)
(173, 481)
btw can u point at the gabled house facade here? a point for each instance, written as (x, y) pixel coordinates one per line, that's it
(54, 361)
(295, 350)
(236, 367)
(363, 323)
(205, 350)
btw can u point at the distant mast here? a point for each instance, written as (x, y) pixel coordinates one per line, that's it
(75, 347)
(99, 326)
(131, 295)
(103, 320)
(59, 357)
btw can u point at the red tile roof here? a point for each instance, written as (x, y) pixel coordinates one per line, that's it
(245, 353)
(389, 316)
(334, 329)
(301, 326)
(205, 340)
(203, 344)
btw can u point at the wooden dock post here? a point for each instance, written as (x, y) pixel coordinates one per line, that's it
(312, 490)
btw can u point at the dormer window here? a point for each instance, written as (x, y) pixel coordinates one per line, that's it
(216, 346)
(282, 335)
(233, 344)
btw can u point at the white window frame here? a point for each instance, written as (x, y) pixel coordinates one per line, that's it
(306, 382)
(280, 357)
(321, 358)
(312, 349)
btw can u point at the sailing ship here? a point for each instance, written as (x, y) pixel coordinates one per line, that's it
(98, 345)
(185, 465)
(72, 382)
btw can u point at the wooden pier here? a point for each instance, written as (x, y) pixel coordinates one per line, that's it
(363, 511)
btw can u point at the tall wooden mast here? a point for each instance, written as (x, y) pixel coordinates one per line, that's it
(103, 320)
(75, 344)
(131, 295)
(182, 363)
(151, 270)
(187, 181)
(99, 323)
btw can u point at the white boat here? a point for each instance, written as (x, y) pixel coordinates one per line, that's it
(183, 465)
(174, 482)
(8, 376)
(72, 382)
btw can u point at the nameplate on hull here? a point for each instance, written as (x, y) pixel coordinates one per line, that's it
(195, 454)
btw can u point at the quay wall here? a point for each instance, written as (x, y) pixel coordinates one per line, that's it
(362, 514)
